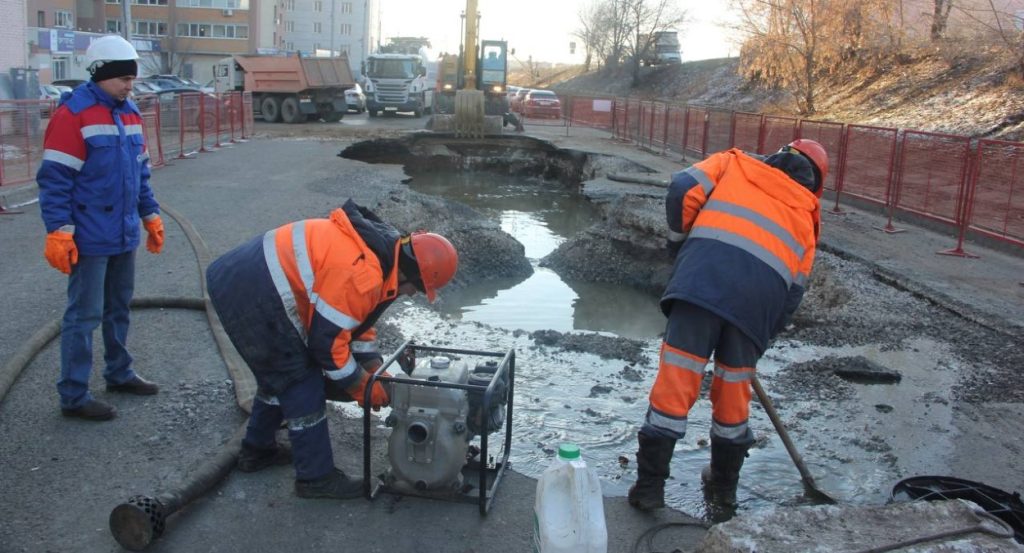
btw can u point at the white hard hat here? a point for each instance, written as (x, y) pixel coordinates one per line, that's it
(108, 48)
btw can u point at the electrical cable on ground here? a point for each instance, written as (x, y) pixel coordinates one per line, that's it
(647, 538)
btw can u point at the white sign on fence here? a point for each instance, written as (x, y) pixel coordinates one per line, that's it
(602, 105)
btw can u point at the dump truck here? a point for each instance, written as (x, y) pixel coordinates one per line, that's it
(663, 48)
(289, 88)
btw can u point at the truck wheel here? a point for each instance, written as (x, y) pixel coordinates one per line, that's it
(270, 109)
(290, 110)
(418, 112)
(373, 113)
(333, 116)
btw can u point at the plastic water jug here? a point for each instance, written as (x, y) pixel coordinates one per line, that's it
(568, 513)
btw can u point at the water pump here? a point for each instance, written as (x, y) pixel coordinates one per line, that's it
(438, 409)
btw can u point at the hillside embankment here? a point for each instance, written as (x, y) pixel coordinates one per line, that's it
(975, 93)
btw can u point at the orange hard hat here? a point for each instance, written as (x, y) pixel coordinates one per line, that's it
(437, 260)
(818, 156)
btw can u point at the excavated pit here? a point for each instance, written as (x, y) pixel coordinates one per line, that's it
(858, 436)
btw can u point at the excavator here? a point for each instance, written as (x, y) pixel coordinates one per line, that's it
(473, 83)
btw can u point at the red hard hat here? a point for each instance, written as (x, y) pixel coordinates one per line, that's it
(437, 260)
(817, 154)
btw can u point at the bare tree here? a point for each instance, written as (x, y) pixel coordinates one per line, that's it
(940, 18)
(1008, 29)
(588, 32)
(792, 44)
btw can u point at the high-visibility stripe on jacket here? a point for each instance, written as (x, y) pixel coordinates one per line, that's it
(319, 280)
(751, 238)
(95, 172)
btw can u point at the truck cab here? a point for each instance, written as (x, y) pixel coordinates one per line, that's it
(399, 82)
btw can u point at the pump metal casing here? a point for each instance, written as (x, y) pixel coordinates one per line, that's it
(429, 437)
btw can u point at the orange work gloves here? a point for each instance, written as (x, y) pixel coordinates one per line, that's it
(155, 228)
(378, 397)
(61, 251)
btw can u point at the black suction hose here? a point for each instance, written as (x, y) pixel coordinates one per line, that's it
(140, 520)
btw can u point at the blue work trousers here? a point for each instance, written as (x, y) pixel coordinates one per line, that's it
(302, 405)
(99, 290)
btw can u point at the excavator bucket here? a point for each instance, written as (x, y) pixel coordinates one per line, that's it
(469, 114)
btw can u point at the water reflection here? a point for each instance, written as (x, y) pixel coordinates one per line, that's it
(540, 215)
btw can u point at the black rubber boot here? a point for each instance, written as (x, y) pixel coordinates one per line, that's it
(652, 469)
(336, 485)
(722, 476)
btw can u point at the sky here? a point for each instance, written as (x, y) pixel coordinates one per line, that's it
(542, 29)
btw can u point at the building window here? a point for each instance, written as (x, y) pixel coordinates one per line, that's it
(289, 5)
(291, 45)
(213, 30)
(63, 18)
(317, 27)
(346, 28)
(149, 28)
(346, 7)
(289, 26)
(114, 26)
(318, 6)
(60, 68)
(40, 18)
(219, 4)
(141, 2)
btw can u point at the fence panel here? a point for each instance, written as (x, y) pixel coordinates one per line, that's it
(22, 125)
(693, 138)
(830, 136)
(997, 206)
(868, 163)
(659, 126)
(719, 130)
(676, 127)
(746, 132)
(932, 174)
(778, 131)
(596, 113)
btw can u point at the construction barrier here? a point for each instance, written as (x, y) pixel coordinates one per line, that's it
(966, 184)
(22, 124)
(996, 200)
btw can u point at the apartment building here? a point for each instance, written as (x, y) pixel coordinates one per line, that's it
(318, 26)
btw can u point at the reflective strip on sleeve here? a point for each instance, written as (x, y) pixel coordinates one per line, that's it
(733, 375)
(761, 221)
(133, 129)
(306, 422)
(674, 359)
(66, 160)
(281, 283)
(348, 370)
(746, 245)
(672, 424)
(705, 181)
(361, 346)
(729, 432)
(90, 131)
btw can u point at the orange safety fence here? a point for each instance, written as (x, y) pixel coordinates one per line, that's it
(967, 184)
(22, 125)
(996, 202)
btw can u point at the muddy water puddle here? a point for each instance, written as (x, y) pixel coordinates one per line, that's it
(540, 215)
(857, 447)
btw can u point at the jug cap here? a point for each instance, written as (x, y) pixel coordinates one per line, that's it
(569, 451)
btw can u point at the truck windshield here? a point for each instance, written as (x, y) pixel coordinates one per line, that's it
(391, 69)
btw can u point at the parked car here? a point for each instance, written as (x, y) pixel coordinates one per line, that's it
(73, 83)
(542, 103)
(48, 92)
(170, 107)
(355, 99)
(516, 102)
(140, 88)
(169, 82)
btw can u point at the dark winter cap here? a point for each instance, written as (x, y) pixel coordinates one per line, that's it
(114, 69)
(797, 166)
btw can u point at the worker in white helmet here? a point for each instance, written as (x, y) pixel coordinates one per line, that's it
(94, 192)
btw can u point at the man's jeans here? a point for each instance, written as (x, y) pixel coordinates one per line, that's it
(100, 289)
